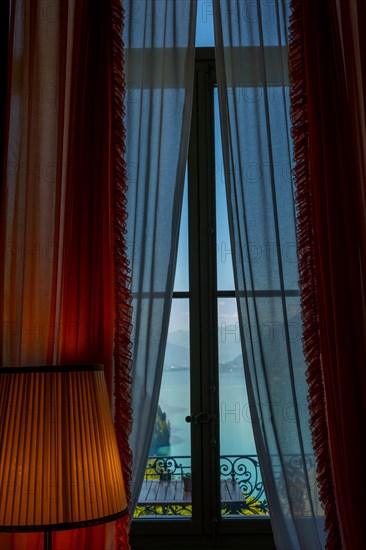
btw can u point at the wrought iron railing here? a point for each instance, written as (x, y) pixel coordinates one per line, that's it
(167, 486)
(245, 472)
(167, 468)
(166, 489)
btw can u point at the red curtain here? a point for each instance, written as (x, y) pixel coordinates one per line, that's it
(64, 275)
(327, 73)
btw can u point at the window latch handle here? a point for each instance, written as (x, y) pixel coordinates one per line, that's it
(202, 417)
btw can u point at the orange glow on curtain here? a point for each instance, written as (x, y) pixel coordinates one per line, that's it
(86, 290)
(57, 292)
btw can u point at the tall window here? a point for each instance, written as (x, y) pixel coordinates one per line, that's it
(203, 475)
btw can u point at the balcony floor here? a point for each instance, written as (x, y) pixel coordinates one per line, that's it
(154, 491)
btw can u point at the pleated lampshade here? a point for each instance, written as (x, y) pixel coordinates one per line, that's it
(59, 461)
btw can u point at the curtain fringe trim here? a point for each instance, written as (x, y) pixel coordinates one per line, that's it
(123, 297)
(308, 283)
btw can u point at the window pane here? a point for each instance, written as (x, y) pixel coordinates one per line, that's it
(225, 276)
(175, 388)
(242, 490)
(205, 27)
(181, 282)
(166, 489)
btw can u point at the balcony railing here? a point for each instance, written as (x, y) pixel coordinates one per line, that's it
(167, 488)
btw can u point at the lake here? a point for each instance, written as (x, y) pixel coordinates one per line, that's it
(236, 436)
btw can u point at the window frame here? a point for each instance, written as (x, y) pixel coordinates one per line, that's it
(206, 527)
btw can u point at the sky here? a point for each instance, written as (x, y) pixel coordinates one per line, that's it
(204, 28)
(226, 308)
(225, 277)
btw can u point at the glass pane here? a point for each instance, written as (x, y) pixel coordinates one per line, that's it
(242, 492)
(166, 489)
(225, 276)
(205, 26)
(181, 282)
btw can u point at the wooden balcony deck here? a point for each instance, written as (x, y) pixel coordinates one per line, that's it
(160, 492)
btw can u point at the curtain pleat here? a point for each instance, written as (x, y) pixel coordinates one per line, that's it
(4, 42)
(159, 40)
(123, 298)
(61, 231)
(328, 75)
(252, 68)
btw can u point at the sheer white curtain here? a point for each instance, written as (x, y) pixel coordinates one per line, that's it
(251, 55)
(159, 38)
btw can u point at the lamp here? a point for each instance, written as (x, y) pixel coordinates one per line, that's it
(59, 461)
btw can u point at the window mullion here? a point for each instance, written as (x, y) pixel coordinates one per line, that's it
(203, 284)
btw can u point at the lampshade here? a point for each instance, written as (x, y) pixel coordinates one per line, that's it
(59, 461)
